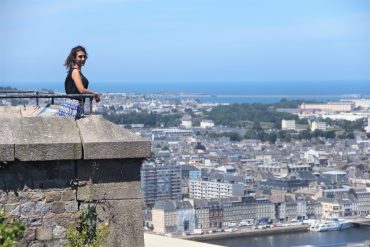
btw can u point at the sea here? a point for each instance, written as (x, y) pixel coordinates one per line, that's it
(227, 92)
(348, 237)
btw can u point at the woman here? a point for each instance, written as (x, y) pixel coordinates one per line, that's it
(76, 83)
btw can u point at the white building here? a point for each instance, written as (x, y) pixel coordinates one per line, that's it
(287, 124)
(363, 103)
(207, 124)
(367, 128)
(318, 126)
(186, 122)
(330, 106)
(199, 189)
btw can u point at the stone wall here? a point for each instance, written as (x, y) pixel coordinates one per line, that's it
(47, 193)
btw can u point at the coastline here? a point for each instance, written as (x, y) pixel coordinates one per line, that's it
(247, 233)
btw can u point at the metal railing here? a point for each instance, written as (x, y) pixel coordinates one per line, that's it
(30, 94)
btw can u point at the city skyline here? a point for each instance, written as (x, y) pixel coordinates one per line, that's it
(172, 41)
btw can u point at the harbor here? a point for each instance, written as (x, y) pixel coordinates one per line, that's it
(248, 232)
(302, 238)
(324, 225)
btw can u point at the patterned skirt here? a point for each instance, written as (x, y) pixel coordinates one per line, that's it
(71, 108)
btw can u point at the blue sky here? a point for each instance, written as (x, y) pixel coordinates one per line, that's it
(186, 41)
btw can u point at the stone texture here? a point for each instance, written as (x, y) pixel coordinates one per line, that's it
(57, 207)
(66, 219)
(35, 221)
(37, 196)
(6, 140)
(37, 176)
(71, 207)
(42, 208)
(12, 209)
(59, 232)
(38, 138)
(44, 234)
(30, 234)
(52, 196)
(125, 222)
(36, 244)
(113, 191)
(28, 208)
(68, 195)
(109, 179)
(102, 139)
(10, 112)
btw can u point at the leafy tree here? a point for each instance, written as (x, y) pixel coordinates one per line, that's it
(10, 230)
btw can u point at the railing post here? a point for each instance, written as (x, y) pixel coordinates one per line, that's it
(91, 100)
(52, 100)
(37, 99)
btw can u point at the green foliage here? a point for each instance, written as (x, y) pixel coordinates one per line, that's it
(234, 136)
(236, 115)
(87, 233)
(284, 103)
(10, 230)
(149, 119)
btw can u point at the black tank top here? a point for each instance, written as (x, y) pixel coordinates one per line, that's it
(70, 85)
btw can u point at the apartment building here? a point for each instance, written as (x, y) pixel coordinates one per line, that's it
(330, 106)
(199, 189)
(239, 211)
(363, 203)
(160, 182)
(288, 124)
(316, 125)
(169, 216)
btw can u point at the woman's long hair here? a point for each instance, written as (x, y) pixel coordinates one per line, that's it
(71, 59)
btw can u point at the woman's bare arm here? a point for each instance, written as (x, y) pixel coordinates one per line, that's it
(76, 76)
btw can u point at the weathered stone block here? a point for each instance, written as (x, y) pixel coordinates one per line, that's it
(3, 197)
(66, 219)
(109, 179)
(49, 220)
(30, 234)
(57, 207)
(6, 140)
(39, 138)
(42, 208)
(52, 196)
(37, 196)
(56, 243)
(59, 232)
(68, 195)
(71, 207)
(36, 244)
(44, 234)
(112, 191)
(10, 112)
(28, 208)
(35, 221)
(125, 222)
(37, 175)
(12, 209)
(102, 139)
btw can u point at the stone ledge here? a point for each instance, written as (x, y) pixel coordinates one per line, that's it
(6, 141)
(38, 138)
(62, 138)
(102, 139)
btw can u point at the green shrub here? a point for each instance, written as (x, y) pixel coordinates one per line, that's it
(10, 230)
(87, 233)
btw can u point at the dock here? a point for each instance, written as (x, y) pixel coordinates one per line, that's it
(248, 232)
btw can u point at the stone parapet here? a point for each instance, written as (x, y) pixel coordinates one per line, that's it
(98, 143)
(51, 167)
(61, 138)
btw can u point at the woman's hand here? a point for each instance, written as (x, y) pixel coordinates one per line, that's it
(97, 97)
